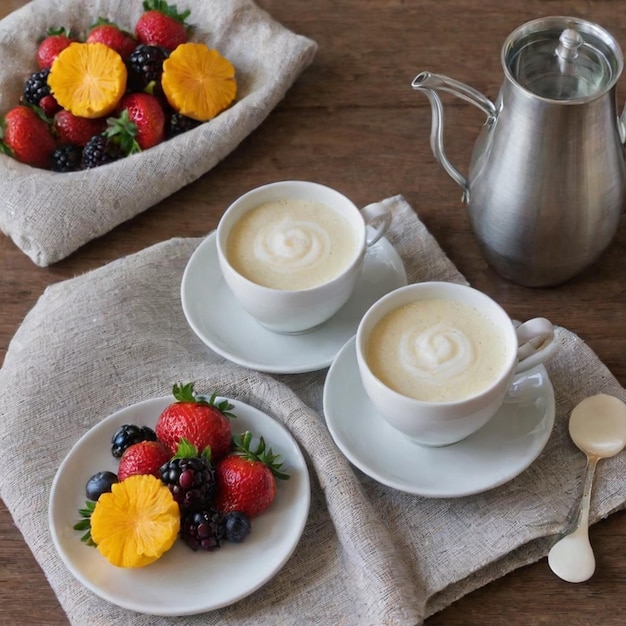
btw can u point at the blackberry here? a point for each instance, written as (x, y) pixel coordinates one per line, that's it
(191, 481)
(180, 123)
(66, 158)
(129, 434)
(36, 87)
(145, 66)
(236, 526)
(202, 530)
(99, 150)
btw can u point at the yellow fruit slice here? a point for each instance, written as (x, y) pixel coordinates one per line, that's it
(198, 81)
(136, 522)
(88, 79)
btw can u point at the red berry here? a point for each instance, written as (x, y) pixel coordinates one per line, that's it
(112, 36)
(203, 423)
(77, 130)
(161, 25)
(49, 105)
(243, 485)
(27, 137)
(246, 479)
(146, 112)
(57, 40)
(145, 457)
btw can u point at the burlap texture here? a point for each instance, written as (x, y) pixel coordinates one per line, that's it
(369, 554)
(49, 215)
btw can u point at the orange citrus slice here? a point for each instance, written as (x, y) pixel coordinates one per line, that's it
(136, 522)
(198, 81)
(88, 79)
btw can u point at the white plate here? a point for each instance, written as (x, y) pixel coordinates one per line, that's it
(220, 322)
(181, 582)
(498, 452)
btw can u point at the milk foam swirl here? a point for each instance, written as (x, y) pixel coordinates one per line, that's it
(436, 354)
(291, 245)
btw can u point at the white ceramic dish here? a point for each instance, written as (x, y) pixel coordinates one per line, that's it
(182, 582)
(223, 325)
(497, 453)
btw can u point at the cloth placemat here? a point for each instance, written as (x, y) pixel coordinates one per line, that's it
(49, 215)
(369, 554)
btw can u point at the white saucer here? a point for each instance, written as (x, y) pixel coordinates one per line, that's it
(181, 582)
(219, 321)
(498, 452)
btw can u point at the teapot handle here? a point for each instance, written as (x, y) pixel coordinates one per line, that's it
(429, 83)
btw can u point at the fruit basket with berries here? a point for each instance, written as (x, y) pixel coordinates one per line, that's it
(108, 107)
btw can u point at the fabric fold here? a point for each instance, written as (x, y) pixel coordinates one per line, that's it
(369, 554)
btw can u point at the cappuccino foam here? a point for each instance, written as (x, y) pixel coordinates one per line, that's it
(436, 350)
(291, 244)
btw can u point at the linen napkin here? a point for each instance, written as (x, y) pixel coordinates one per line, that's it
(49, 215)
(368, 554)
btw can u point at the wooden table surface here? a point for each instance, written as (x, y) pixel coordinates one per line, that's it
(352, 121)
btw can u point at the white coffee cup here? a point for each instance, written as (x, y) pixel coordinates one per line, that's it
(301, 309)
(442, 361)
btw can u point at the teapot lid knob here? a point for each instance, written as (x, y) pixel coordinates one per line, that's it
(569, 42)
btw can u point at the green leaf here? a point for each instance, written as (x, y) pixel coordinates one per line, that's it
(243, 447)
(85, 523)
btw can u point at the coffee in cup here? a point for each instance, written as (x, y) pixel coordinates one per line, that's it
(292, 244)
(292, 251)
(437, 359)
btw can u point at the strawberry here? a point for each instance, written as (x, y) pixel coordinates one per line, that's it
(145, 457)
(246, 478)
(146, 112)
(57, 39)
(203, 423)
(111, 35)
(77, 130)
(27, 137)
(162, 25)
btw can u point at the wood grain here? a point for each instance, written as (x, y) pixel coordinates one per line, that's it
(352, 121)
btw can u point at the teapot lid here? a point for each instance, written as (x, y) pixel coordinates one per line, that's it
(562, 58)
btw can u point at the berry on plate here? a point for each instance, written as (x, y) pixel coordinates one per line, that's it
(202, 422)
(128, 434)
(190, 477)
(246, 478)
(162, 25)
(145, 457)
(99, 483)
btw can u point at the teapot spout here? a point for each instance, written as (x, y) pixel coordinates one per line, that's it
(430, 84)
(438, 82)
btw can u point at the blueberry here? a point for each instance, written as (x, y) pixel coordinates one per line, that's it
(236, 526)
(99, 483)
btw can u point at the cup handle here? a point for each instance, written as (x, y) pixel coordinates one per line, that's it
(536, 343)
(377, 217)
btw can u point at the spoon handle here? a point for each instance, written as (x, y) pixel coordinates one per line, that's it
(585, 503)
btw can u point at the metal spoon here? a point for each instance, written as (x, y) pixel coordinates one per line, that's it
(598, 427)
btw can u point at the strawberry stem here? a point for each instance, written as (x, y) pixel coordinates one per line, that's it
(243, 448)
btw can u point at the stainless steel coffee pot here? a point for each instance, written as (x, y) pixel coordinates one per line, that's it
(547, 179)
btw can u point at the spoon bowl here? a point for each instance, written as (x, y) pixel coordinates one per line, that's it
(597, 426)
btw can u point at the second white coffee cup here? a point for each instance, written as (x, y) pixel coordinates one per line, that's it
(291, 252)
(437, 359)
